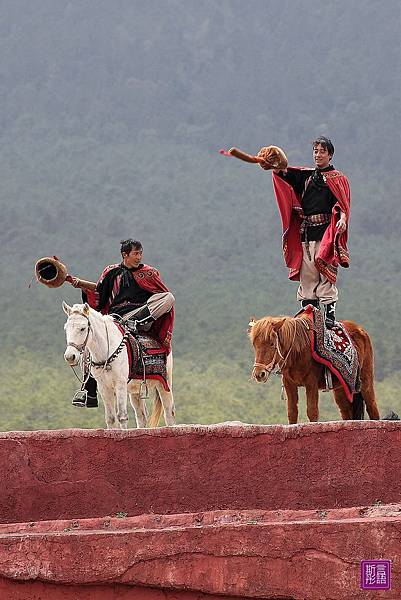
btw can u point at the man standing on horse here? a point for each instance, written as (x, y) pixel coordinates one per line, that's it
(134, 291)
(314, 205)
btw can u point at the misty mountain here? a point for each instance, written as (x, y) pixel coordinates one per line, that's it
(112, 118)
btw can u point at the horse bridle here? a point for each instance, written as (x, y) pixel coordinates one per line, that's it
(105, 365)
(81, 347)
(272, 365)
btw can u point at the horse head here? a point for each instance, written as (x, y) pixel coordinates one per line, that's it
(77, 329)
(264, 336)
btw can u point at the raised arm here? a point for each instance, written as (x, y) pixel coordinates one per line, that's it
(295, 177)
(82, 283)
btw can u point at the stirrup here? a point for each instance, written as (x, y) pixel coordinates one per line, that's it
(328, 380)
(143, 390)
(80, 398)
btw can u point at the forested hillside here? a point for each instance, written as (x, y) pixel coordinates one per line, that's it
(112, 117)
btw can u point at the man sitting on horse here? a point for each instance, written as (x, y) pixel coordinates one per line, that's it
(314, 205)
(134, 292)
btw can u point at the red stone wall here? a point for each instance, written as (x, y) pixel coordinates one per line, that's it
(37, 590)
(199, 513)
(85, 473)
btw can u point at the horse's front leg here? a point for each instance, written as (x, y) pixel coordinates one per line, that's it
(121, 403)
(312, 400)
(291, 391)
(107, 394)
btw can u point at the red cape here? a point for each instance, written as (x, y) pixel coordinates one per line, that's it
(333, 248)
(148, 278)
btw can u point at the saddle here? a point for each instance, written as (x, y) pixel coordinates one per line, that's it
(334, 349)
(147, 359)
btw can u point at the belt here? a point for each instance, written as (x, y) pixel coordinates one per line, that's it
(312, 221)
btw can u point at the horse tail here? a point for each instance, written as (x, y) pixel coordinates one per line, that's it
(358, 407)
(367, 374)
(156, 411)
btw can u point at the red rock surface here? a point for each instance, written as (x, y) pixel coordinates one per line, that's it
(36, 590)
(85, 473)
(242, 511)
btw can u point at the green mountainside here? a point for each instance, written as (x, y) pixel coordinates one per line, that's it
(112, 118)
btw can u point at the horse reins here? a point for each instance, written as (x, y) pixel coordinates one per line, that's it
(81, 347)
(105, 364)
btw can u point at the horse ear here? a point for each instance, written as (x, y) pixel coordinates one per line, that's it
(66, 308)
(86, 309)
(278, 324)
(251, 323)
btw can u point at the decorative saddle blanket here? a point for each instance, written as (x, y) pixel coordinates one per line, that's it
(146, 354)
(335, 349)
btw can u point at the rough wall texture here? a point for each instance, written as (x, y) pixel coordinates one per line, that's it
(247, 554)
(36, 590)
(278, 512)
(84, 473)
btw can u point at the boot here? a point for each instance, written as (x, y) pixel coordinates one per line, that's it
(87, 396)
(314, 302)
(330, 314)
(304, 303)
(141, 321)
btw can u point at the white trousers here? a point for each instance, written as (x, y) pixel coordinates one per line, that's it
(313, 285)
(160, 303)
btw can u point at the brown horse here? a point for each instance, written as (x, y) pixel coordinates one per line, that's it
(283, 344)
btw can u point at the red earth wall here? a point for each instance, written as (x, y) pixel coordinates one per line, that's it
(199, 512)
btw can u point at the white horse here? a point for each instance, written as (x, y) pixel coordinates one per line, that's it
(87, 328)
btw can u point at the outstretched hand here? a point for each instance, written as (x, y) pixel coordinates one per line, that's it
(74, 281)
(265, 165)
(268, 167)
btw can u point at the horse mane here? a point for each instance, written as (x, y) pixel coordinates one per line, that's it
(104, 318)
(79, 310)
(295, 332)
(291, 331)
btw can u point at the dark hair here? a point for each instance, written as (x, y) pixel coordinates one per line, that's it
(128, 245)
(326, 143)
